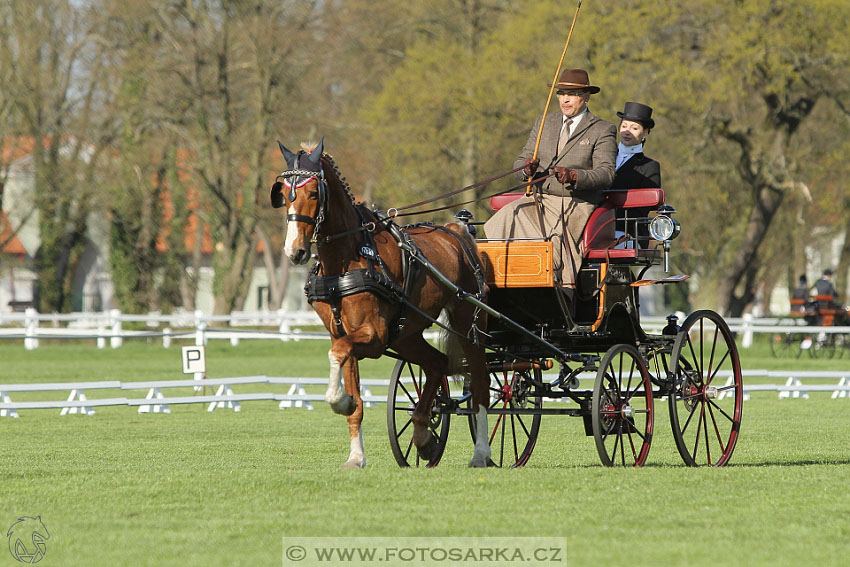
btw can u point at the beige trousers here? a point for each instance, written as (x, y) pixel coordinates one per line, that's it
(561, 219)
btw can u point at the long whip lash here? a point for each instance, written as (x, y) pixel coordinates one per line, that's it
(554, 82)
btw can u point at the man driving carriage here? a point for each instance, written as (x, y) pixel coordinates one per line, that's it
(580, 150)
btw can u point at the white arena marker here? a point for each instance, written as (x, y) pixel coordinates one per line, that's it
(194, 362)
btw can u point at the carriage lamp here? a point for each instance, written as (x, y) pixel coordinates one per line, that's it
(664, 228)
(465, 216)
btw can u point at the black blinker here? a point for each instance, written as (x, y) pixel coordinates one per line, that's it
(276, 195)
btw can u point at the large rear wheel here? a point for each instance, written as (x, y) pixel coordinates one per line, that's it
(622, 408)
(406, 386)
(706, 406)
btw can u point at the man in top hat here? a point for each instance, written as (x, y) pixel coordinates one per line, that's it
(580, 149)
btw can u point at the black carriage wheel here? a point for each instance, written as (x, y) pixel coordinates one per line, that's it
(823, 345)
(622, 411)
(512, 435)
(405, 389)
(785, 345)
(705, 409)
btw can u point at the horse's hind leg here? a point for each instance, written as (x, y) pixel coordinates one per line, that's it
(479, 385)
(433, 363)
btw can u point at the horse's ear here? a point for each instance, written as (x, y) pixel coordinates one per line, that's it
(316, 154)
(287, 155)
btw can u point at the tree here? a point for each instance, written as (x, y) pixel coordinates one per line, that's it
(56, 71)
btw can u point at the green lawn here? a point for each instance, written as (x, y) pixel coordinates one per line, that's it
(223, 488)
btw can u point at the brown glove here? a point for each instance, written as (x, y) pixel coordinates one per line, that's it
(564, 175)
(530, 166)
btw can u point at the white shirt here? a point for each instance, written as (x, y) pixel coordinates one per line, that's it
(625, 152)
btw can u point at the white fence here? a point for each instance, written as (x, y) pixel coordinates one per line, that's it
(296, 397)
(108, 327)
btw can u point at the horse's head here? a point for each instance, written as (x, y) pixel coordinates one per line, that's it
(302, 189)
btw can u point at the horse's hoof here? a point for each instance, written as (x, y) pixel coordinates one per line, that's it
(349, 464)
(429, 451)
(481, 463)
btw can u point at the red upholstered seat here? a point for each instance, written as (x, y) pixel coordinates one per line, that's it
(599, 238)
(499, 201)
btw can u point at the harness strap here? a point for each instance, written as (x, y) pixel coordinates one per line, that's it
(301, 218)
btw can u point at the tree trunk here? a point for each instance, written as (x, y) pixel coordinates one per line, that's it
(730, 302)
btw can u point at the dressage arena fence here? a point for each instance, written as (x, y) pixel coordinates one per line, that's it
(155, 401)
(199, 327)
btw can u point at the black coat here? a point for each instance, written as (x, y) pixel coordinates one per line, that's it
(638, 172)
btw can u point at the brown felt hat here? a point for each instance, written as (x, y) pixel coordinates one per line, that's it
(575, 79)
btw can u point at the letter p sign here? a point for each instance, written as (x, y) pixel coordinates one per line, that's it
(194, 360)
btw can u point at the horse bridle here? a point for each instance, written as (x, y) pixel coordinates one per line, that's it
(292, 179)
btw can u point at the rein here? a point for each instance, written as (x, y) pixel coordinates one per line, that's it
(393, 212)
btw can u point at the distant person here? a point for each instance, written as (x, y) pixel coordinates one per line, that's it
(633, 169)
(802, 289)
(824, 285)
(800, 303)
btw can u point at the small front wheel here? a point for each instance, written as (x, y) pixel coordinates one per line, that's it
(622, 408)
(405, 390)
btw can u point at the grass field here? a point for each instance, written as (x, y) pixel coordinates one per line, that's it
(224, 488)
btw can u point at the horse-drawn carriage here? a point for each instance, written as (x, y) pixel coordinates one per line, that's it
(375, 302)
(819, 310)
(694, 367)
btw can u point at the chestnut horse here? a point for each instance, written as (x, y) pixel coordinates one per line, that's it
(369, 299)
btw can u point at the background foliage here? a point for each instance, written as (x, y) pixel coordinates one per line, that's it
(186, 97)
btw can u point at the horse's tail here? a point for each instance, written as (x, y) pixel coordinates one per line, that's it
(452, 346)
(452, 341)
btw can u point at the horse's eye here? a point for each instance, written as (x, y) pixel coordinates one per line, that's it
(313, 195)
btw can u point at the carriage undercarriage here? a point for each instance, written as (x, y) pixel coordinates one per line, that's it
(694, 368)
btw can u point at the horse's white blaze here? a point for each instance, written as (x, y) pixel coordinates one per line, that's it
(291, 233)
(335, 391)
(357, 455)
(482, 442)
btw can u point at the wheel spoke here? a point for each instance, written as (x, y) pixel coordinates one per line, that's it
(699, 429)
(403, 429)
(632, 444)
(719, 366)
(720, 409)
(513, 435)
(688, 421)
(707, 436)
(407, 393)
(716, 428)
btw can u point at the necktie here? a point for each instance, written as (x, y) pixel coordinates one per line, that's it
(564, 135)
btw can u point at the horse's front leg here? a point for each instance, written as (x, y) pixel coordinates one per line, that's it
(344, 356)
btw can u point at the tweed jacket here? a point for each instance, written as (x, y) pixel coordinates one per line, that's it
(638, 172)
(591, 151)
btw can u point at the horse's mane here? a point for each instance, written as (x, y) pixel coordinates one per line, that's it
(328, 158)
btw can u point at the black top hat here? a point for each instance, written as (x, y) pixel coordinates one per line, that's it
(637, 112)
